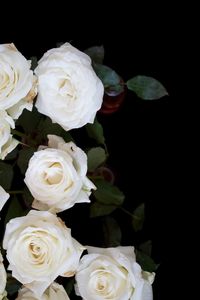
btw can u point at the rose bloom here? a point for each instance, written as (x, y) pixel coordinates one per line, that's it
(56, 176)
(54, 292)
(39, 249)
(3, 197)
(2, 278)
(17, 82)
(112, 273)
(69, 91)
(7, 142)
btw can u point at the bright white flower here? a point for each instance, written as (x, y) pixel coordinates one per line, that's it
(3, 197)
(39, 249)
(7, 142)
(112, 273)
(54, 292)
(56, 176)
(2, 278)
(69, 91)
(17, 83)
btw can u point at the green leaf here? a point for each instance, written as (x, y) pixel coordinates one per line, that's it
(6, 175)
(27, 198)
(23, 158)
(146, 247)
(138, 217)
(46, 127)
(12, 155)
(107, 193)
(34, 62)
(15, 209)
(96, 53)
(146, 87)
(38, 127)
(112, 232)
(12, 285)
(96, 156)
(146, 262)
(29, 120)
(69, 285)
(95, 131)
(98, 209)
(67, 136)
(108, 76)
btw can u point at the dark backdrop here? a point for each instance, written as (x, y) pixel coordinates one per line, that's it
(139, 135)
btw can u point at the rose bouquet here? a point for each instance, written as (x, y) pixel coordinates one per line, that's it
(45, 173)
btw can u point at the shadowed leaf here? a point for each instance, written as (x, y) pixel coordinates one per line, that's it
(96, 53)
(96, 156)
(112, 232)
(98, 209)
(95, 131)
(146, 88)
(107, 193)
(6, 175)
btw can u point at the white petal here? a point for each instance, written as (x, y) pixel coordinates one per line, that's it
(8, 147)
(3, 197)
(2, 276)
(69, 91)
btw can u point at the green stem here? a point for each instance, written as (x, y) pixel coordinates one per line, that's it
(15, 192)
(106, 149)
(25, 144)
(126, 212)
(18, 133)
(93, 177)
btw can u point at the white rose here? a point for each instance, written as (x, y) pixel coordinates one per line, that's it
(7, 142)
(54, 292)
(56, 176)
(39, 249)
(69, 91)
(2, 278)
(112, 273)
(16, 81)
(3, 197)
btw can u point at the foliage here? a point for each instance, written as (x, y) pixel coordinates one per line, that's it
(107, 201)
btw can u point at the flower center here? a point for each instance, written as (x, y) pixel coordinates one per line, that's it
(8, 79)
(102, 282)
(67, 89)
(108, 282)
(53, 174)
(35, 250)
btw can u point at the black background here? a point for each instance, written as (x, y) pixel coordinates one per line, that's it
(140, 135)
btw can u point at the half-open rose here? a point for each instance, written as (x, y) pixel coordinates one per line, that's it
(69, 91)
(17, 82)
(112, 274)
(39, 249)
(56, 176)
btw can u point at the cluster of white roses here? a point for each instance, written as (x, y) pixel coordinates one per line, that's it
(69, 92)
(39, 245)
(17, 90)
